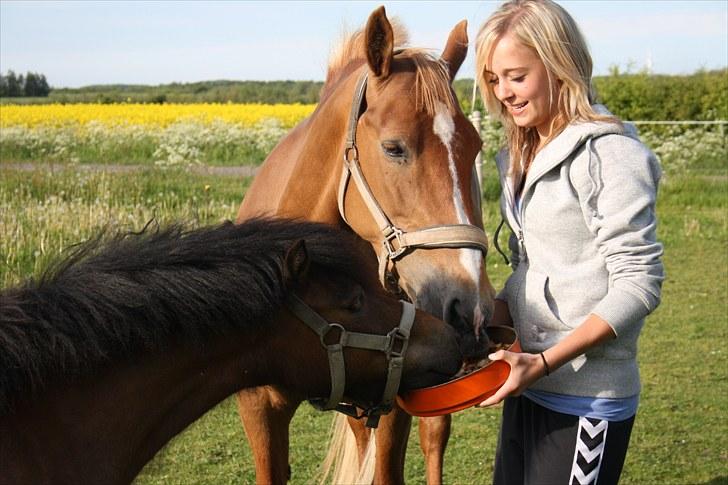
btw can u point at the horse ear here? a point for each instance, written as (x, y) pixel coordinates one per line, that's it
(295, 264)
(379, 40)
(456, 48)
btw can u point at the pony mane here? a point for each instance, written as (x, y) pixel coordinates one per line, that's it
(116, 297)
(432, 79)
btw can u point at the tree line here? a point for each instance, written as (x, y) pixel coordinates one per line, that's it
(702, 95)
(33, 84)
(267, 92)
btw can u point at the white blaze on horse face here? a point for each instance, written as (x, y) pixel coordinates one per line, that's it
(444, 127)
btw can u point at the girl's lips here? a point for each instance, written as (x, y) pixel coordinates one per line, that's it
(517, 109)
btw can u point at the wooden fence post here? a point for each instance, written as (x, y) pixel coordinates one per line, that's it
(475, 119)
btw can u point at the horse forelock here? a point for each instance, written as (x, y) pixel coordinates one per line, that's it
(432, 82)
(118, 297)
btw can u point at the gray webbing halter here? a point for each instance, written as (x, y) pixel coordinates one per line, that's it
(395, 241)
(394, 346)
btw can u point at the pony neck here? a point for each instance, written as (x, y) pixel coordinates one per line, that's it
(105, 428)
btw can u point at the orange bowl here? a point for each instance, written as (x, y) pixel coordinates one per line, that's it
(465, 391)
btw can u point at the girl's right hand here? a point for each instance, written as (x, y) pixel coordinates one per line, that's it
(525, 370)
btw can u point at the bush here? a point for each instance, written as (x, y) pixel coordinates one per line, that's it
(702, 96)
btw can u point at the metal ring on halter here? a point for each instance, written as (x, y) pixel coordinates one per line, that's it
(341, 342)
(396, 336)
(350, 149)
(395, 235)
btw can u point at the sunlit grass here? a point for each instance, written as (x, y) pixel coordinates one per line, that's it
(680, 436)
(43, 213)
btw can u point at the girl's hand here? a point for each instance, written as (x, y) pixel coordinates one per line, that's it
(525, 370)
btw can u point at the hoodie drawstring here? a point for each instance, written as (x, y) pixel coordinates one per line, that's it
(497, 246)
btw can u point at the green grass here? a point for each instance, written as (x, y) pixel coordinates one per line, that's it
(681, 432)
(181, 145)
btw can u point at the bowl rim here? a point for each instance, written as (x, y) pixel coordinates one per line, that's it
(511, 330)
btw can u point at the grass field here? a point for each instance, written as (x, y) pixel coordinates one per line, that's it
(681, 432)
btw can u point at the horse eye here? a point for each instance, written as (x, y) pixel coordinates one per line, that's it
(356, 303)
(394, 149)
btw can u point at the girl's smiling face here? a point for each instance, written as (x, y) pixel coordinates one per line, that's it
(520, 81)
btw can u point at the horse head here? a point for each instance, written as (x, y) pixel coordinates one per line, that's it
(370, 343)
(419, 203)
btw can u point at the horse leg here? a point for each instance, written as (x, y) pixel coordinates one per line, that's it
(266, 414)
(392, 436)
(362, 435)
(434, 433)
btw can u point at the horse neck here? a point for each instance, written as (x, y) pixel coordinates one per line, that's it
(311, 191)
(128, 412)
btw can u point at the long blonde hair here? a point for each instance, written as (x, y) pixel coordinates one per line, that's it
(549, 30)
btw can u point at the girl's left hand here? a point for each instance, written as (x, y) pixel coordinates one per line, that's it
(525, 370)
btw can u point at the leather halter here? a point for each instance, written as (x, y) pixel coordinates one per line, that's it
(394, 346)
(396, 242)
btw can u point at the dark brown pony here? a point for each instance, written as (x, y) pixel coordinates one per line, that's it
(125, 343)
(416, 151)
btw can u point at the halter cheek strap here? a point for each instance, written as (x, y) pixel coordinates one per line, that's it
(396, 241)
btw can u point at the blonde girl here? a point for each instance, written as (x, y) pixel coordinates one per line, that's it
(578, 193)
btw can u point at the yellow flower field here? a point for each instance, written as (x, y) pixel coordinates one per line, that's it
(151, 115)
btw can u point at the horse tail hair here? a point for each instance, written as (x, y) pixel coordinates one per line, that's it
(341, 464)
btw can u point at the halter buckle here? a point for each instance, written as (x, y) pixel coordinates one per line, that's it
(394, 234)
(396, 343)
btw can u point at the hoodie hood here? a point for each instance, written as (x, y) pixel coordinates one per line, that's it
(565, 146)
(567, 142)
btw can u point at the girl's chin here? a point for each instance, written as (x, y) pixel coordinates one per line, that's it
(523, 121)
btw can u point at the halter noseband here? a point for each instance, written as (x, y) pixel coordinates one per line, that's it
(394, 346)
(395, 241)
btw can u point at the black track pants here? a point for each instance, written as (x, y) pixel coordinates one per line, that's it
(538, 446)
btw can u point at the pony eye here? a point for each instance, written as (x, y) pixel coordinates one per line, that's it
(394, 149)
(356, 303)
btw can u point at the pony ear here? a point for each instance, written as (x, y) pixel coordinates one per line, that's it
(379, 41)
(456, 48)
(296, 263)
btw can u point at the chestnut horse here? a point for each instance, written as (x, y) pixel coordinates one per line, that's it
(124, 344)
(389, 155)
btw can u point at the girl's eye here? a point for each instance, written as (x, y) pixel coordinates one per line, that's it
(493, 80)
(519, 78)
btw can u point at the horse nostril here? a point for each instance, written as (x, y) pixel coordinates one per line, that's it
(455, 316)
(472, 346)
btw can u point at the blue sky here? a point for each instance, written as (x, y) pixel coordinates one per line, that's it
(81, 43)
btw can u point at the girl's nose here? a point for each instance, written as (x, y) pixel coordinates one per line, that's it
(502, 92)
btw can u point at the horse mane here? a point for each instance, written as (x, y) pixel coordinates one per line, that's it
(432, 78)
(116, 297)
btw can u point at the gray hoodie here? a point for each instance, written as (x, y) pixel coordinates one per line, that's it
(584, 242)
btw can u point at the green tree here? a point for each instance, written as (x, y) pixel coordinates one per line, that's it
(14, 85)
(3, 86)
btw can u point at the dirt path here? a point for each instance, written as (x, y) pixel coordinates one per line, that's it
(244, 171)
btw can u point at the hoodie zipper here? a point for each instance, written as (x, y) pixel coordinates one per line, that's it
(518, 216)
